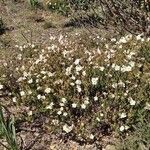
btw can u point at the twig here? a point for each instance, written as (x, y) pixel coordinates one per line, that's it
(4, 145)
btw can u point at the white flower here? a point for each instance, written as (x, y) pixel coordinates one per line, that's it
(19, 57)
(95, 98)
(74, 105)
(87, 98)
(61, 108)
(50, 106)
(5, 64)
(126, 68)
(14, 99)
(1, 86)
(43, 97)
(55, 121)
(78, 68)
(91, 136)
(20, 79)
(78, 82)
(148, 39)
(101, 68)
(123, 115)
(98, 51)
(33, 46)
(101, 114)
(122, 128)
(72, 84)
(39, 88)
(147, 107)
(114, 85)
(67, 128)
(78, 88)
(94, 81)
(22, 93)
(39, 96)
(60, 39)
(64, 100)
(138, 37)
(132, 102)
(121, 84)
(107, 46)
(68, 70)
(30, 113)
(73, 77)
(84, 73)
(77, 61)
(48, 90)
(132, 63)
(65, 114)
(113, 40)
(112, 95)
(59, 112)
(86, 102)
(129, 37)
(29, 92)
(61, 104)
(120, 46)
(37, 80)
(117, 68)
(59, 81)
(126, 127)
(98, 119)
(30, 81)
(43, 72)
(83, 106)
(123, 40)
(50, 74)
(25, 74)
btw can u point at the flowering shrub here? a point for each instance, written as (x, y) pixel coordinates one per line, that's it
(88, 88)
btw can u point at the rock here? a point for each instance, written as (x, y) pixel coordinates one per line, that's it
(110, 147)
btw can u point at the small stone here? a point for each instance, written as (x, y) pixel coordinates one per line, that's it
(110, 147)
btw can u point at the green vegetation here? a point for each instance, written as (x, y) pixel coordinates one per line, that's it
(34, 3)
(138, 140)
(107, 85)
(7, 131)
(84, 85)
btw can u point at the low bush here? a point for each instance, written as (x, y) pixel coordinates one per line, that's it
(86, 89)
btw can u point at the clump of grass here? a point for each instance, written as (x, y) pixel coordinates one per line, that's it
(35, 4)
(7, 130)
(59, 6)
(137, 140)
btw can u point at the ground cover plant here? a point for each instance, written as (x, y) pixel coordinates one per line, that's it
(74, 72)
(138, 140)
(87, 89)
